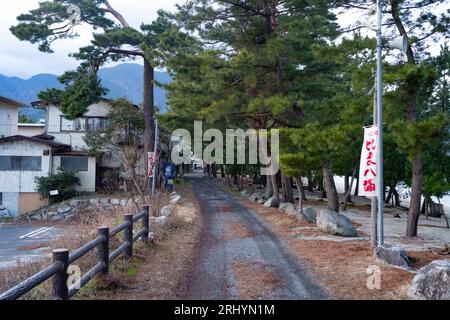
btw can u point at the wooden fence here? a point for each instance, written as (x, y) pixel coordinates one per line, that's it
(62, 259)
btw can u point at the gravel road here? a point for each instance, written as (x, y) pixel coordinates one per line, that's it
(214, 275)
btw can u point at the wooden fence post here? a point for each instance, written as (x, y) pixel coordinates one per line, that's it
(103, 249)
(60, 290)
(146, 222)
(128, 235)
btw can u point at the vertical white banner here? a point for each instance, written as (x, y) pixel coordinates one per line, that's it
(151, 164)
(368, 168)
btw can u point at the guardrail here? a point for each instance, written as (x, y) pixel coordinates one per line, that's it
(62, 259)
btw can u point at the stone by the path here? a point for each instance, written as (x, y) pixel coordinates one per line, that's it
(285, 206)
(115, 202)
(308, 214)
(335, 223)
(175, 200)
(64, 209)
(393, 255)
(161, 220)
(166, 211)
(271, 203)
(432, 282)
(79, 203)
(4, 213)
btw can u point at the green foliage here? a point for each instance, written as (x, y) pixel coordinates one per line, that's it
(24, 119)
(63, 181)
(80, 92)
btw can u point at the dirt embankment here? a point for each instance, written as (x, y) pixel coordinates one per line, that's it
(155, 272)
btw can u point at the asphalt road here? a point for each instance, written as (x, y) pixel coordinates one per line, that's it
(213, 276)
(13, 239)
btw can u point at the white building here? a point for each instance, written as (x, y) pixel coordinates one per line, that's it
(61, 146)
(30, 129)
(9, 116)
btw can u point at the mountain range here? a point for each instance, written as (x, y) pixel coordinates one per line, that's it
(123, 80)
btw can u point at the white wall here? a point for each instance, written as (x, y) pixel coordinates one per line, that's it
(10, 201)
(23, 181)
(74, 139)
(9, 116)
(30, 130)
(87, 178)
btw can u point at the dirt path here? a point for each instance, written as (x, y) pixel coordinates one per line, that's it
(239, 257)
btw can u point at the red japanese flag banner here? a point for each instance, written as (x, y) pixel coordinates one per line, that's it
(368, 167)
(151, 164)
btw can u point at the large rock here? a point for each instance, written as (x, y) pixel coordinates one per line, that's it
(4, 213)
(309, 215)
(272, 203)
(115, 202)
(64, 209)
(245, 193)
(175, 200)
(162, 221)
(79, 203)
(285, 206)
(166, 211)
(104, 201)
(254, 197)
(393, 255)
(335, 223)
(432, 282)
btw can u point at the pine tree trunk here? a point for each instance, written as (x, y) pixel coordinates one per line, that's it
(286, 184)
(346, 186)
(349, 190)
(276, 191)
(301, 188)
(269, 187)
(330, 187)
(389, 196)
(298, 182)
(396, 198)
(310, 183)
(414, 208)
(148, 106)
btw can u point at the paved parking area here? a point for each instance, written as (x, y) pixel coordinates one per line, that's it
(14, 241)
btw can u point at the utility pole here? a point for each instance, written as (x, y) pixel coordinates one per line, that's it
(380, 128)
(155, 167)
(374, 200)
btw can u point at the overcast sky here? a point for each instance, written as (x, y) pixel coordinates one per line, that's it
(22, 59)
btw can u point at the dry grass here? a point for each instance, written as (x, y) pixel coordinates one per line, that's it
(157, 271)
(77, 231)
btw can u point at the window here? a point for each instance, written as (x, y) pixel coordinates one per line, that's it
(96, 124)
(74, 163)
(77, 125)
(16, 163)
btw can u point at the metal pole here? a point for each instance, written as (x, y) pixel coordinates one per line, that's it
(155, 169)
(380, 128)
(374, 200)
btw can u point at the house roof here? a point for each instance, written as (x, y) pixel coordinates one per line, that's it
(36, 140)
(14, 103)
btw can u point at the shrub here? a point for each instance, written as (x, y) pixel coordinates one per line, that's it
(64, 182)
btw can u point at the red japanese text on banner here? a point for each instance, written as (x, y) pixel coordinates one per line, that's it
(368, 169)
(151, 164)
